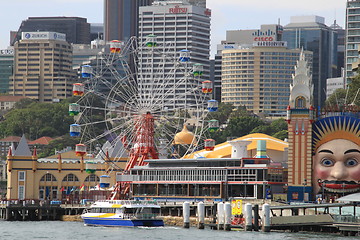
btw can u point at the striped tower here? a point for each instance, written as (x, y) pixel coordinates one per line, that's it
(300, 115)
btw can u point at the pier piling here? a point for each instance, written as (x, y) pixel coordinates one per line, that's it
(248, 217)
(201, 215)
(227, 210)
(186, 214)
(266, 218)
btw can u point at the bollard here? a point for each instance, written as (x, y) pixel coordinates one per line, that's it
(186, 214)
(248, 217)
(227, 217)
(220, 215)
(256, 217)
(266, 218)
(201, 215)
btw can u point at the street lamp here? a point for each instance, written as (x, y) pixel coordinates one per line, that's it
(304, 183)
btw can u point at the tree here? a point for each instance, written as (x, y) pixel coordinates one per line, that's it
(348, 96)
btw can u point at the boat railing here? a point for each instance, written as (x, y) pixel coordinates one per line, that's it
(130, 202)
(140, 216)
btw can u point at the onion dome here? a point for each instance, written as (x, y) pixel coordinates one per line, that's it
(184, 137)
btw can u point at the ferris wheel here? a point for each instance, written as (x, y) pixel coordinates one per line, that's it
(141, 100)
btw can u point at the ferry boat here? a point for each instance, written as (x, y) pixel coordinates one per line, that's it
(126, 213)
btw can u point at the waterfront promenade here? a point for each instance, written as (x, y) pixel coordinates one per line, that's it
(329, 217)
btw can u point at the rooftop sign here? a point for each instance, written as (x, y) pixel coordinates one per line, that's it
(270, 44)
(177, 10)
(7, 52)
(43, 36)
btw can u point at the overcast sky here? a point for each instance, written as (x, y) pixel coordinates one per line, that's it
(226, 14)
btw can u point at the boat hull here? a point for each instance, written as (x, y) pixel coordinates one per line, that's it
(112, 222)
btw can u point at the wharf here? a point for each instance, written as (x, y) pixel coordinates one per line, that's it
(37, 210)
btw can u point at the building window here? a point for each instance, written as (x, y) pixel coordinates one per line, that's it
(21, 192)
(300, 102)
(92, 178)
(48, 178)
(21, 176)
(70, 178)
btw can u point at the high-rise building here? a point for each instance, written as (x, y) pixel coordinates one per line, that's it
(96, 31)
(311, 33)
(352, 23)
(121, 18)
(236, 39)
(340, 48)
(184, 27)
(259, 77)
(6, 68)
(42, 67)
(76, 29)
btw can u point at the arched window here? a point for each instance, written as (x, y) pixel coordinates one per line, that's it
(300, 102)
(48, 178)
(70, 178)
(92, 178)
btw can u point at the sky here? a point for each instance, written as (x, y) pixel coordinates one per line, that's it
(226, 14)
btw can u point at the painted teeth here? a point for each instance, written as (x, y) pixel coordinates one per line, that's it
(341, 190)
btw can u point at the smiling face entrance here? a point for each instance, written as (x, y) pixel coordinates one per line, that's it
(336, 167)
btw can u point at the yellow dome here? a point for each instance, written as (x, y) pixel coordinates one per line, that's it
(184, 137)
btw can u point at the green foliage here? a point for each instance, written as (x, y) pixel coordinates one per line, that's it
(58, 144)
(37, 120)
(281, 134)
(24, 103)
(349, 96)
(239, 122)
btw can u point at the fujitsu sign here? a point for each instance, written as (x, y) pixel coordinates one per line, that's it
(177, 10)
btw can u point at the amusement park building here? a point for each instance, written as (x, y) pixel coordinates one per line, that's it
(59, 177)
(42, 67)
(311, 34)
(177, 25)
(259, 77)
(253, 166)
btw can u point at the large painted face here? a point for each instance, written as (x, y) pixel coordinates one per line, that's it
(337, 164)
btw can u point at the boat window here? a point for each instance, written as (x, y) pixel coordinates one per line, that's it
(103, 210)
(130, 210)
(155, 210)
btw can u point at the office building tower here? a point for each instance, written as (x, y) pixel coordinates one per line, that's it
(42, 67)
(184, 27)
(236, 39)
(311, 33)
(259, 77)
(121, 18)
(340, 48)
(352, 23)
(96, 31)
(6, 68)
(76, 29)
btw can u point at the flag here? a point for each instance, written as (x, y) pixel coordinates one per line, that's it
(62, 189)
(82, 188)
(68, 190)
(73, 189)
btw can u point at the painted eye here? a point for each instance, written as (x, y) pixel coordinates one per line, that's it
(351, 162)
(327, 162)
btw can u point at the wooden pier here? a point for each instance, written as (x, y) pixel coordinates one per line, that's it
(37, 210)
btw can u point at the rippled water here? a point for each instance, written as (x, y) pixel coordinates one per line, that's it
(77, 230)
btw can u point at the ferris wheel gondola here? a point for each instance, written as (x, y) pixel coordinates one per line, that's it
(135, 103)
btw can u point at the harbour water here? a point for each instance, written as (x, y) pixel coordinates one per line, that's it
(59, 230)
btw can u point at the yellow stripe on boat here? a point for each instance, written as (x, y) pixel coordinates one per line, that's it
(106, 215)
(116, 206)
